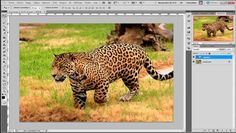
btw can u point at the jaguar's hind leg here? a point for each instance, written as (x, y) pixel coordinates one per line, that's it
(100, 94)
(208, 34)
(214, 33)
(222, 31)
(133, 86)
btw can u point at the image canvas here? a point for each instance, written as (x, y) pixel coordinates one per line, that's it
(96, 72)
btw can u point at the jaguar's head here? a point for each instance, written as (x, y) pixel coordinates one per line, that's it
(62, 66)
(205, 26)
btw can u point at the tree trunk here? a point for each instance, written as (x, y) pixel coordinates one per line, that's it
(140, 34)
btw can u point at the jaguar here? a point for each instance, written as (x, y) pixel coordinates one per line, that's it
(212, 28)
(96, 69)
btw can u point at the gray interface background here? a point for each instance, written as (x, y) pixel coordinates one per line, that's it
(179, 67)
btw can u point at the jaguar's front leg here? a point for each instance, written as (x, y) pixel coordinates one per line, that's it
(79, 95)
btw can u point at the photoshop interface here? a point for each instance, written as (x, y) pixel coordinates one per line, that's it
(118, 66)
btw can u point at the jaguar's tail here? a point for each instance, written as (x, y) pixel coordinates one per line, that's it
(231, 28)
(156, 75)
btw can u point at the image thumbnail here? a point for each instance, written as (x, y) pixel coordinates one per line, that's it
(96, 72)
(213, 28)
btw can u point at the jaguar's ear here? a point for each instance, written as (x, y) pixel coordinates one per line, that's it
(55, 55)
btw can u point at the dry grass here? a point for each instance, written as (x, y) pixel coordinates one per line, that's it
(202, 36)
(56, 42)
(48, 101)
(52, 37)
(28, 35)
(57, 32)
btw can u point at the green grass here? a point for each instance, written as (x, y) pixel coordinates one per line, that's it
(150, 91)
(199, 21)
(161, 55)
(36, 56)
(24, 91)
(169, 27)
(65, 99)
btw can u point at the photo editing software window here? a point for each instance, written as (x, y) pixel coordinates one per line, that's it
(118, 66)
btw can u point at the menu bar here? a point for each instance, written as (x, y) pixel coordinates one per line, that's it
(121, 3)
